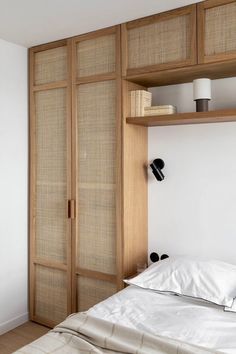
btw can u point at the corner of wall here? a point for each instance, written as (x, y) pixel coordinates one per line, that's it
(13, 323)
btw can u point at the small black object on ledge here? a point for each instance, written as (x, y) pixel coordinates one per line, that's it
(202, 105)
(157, 165)
(164, 256)
(154, 257)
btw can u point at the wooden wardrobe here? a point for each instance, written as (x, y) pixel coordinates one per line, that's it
(88, 167)
(88, 224)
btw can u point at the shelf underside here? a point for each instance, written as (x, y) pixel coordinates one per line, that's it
(150, 78)
(227, 115)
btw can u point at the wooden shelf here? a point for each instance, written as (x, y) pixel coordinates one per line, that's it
(149, 78)
(227, 115)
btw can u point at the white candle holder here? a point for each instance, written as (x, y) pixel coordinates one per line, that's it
(202, 93)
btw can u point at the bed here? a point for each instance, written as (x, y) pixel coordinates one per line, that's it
(139, 320)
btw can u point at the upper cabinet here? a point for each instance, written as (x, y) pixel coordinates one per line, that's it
(96, 55)
(51, 65)
(159, 42)
(216, 30)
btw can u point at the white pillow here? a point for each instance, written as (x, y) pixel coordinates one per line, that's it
(209, 280)
(231, 309)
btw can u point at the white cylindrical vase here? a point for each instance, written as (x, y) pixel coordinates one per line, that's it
(202, 93)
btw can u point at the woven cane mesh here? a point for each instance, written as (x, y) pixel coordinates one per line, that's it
(51, 174)
(96, 246)
(50, 65)
(92, 291)
(96, 143)
(161, 42)
(50, 294)
(96, 104)
(96, 56)
(220, 29)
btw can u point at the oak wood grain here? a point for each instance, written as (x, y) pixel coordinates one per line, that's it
(228, 115)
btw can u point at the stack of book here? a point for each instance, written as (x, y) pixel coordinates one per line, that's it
(141, 105)
(140, 99)
(159, 110)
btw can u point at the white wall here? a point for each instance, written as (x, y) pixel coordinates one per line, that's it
(193, 211)
(13, 185)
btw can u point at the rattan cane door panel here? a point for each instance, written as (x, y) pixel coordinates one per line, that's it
(96, 56)
(50, 65)
(51, 175)
(91, 291)
(50, 294)
(162, 41)
(217, 30)
(97, 230)
(96, 176)
(50, 223)
(96, 132)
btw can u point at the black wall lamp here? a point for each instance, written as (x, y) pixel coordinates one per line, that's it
(154, 257)
(157, 165)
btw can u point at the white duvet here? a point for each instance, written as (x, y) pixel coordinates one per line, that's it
(189, 320)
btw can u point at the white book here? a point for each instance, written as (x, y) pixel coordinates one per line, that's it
(166, 107)
(160, 113)
(132, 103)
(159, 110)
(146, 101)
(137, 106)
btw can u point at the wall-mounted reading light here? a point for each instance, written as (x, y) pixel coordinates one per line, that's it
(156, 166)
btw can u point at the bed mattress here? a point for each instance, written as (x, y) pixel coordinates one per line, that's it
(136, 320)
(193, 321)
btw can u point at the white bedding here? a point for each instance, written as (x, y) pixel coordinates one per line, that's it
(83, 334)
(181, 318)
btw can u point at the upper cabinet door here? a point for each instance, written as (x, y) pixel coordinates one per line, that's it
(216, 30)
(96, 55)
(159, 42)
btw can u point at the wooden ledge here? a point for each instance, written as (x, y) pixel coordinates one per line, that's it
(227, 115)
(152, 78)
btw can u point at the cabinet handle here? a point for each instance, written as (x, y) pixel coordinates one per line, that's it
(71, 209)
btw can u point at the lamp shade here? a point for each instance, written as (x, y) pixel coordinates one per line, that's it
(201, 89)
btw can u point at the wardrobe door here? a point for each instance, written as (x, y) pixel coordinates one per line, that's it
(216, 30)
(96, 130)
(96, 133)
(158, 42)
(50, 129)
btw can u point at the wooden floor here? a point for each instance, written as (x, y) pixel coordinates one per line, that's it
(20, 336)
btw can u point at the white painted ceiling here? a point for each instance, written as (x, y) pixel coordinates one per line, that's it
(32, 22)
